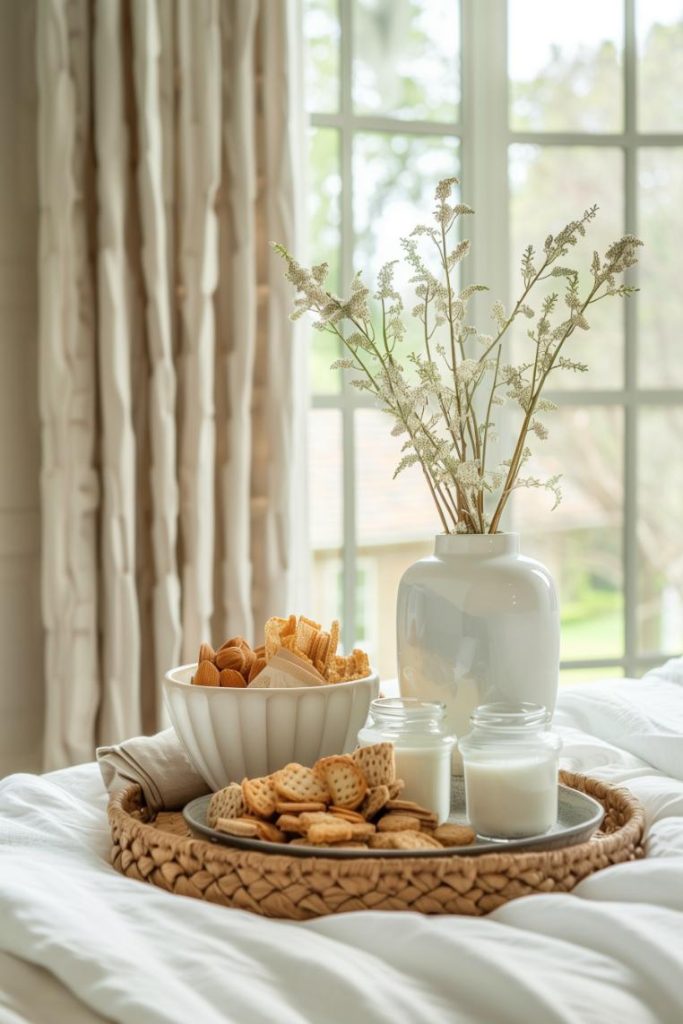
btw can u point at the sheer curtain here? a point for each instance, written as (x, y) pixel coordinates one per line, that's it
(173, 483)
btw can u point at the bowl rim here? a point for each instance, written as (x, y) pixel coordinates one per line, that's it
(263, 690)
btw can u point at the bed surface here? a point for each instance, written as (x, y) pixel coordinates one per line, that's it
(79, 943)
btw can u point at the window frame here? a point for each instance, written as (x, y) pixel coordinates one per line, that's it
(484, 135)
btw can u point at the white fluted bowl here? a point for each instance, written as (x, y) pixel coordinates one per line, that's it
(230, 733)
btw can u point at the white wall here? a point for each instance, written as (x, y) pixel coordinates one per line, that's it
(21, 639)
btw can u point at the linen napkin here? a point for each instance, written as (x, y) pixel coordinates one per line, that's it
(158, 764)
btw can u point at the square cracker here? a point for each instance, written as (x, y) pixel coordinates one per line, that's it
(225, 803)
(377, 762)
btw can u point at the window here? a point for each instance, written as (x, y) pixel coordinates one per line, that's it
(541, 110)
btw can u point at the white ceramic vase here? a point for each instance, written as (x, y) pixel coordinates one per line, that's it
(478, 622)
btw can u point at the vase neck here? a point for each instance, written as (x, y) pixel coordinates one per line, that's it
(482, 545)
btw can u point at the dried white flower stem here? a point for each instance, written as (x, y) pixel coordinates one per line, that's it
(435, 406)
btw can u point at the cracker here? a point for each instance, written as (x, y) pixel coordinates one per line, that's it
(361, 664)
(260, 796)
(407, 840)
(329, 833)
(298, 783)
(333, 644)
(306, 635)
(206, 675)
(396, 787)
(374, 801)
(454, 835)
(346, 812)
(272, 631)
(232, 678)
(270, 832)
(345, 781)
(377, 762)
(398, 823)
(291, 823)
(411, 808)
(362, 832)
(226, 803)
(233, 827)
(298, 807)
(317, 818)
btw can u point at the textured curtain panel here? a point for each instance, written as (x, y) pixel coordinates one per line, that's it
(173, 488)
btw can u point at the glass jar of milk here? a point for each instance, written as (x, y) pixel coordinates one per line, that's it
(422, 747)
(510, 760)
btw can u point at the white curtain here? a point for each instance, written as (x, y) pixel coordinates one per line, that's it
(171, 395)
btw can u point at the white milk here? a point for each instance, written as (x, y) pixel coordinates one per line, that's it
(509, 798)
(426, 772)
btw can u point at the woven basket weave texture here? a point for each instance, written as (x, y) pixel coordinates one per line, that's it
(161, 852)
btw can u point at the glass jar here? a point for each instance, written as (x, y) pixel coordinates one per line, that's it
(422, 746)
(510, 760)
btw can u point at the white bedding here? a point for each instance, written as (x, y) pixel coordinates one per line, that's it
(79, 943)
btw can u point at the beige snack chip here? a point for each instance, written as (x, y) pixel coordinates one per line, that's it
(260, 796)
(295, 782)
(377, 762)
(374, 801)
(408, 840)
(329, 833)
(291, 823)
(226, 803)
(345, 781)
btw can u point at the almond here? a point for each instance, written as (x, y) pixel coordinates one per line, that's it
(234, 641)
(206, 653)
(229, 677)
(206, 675)
(230, 657)
(257, 667)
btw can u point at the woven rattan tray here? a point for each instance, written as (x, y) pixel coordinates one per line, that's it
(160, 851)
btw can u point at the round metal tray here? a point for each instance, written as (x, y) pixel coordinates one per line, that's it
(579, 816)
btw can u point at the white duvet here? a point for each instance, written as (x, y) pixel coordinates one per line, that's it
(79, 943)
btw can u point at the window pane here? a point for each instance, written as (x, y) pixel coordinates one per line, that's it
(394, 178)
(581, 541)
(660, 182)
(659, 25)
(396, 524)
(549, 186)
(565, 65)
(325, 462)
(660, 553)
(324, 217)
(571, 676)
(407, 58)
(322, 35)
